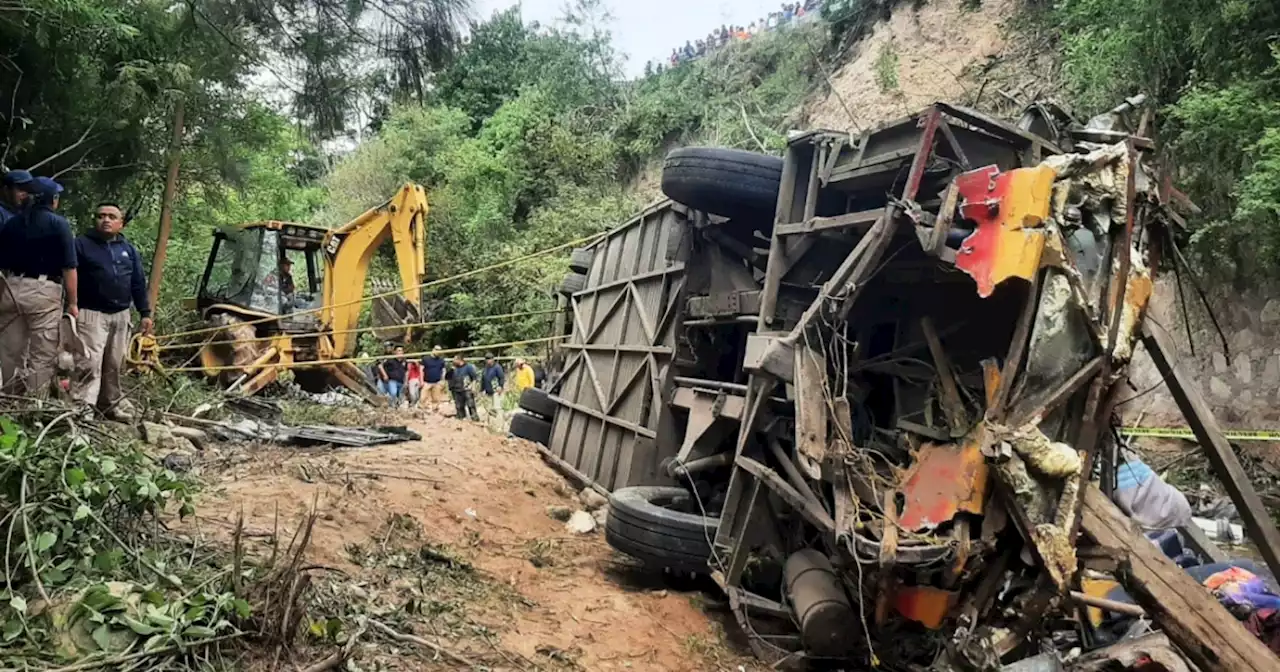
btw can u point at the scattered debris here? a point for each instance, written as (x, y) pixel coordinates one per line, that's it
(592, 500)
(581, 522)
(560, 513)
(268, 427)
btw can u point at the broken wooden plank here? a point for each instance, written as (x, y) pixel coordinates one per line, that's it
(1193, 619)
(952, 404)
(1059, 395)
(1257, 521)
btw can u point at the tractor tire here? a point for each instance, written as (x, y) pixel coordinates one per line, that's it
(539, 403)
(727, 182)
(573, 283)
(531, 427)
(654, 525)
(580, 260)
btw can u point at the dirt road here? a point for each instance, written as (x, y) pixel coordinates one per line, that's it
(450, 537)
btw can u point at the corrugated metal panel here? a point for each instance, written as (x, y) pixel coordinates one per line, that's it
(620, 352)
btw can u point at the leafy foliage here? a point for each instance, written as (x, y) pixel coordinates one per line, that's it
(73, 509)
(1214, 69)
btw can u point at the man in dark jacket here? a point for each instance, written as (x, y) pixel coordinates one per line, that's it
(113, 280)
(459, 376)
(492, 381)
(38, 265)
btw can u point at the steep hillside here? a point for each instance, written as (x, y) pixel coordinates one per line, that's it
(996, 58)
(944, 50)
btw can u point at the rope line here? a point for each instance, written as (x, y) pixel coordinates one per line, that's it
(437, 323)
(354, 360)
(423, 285)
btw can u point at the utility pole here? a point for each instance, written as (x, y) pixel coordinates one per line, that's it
(166, 207)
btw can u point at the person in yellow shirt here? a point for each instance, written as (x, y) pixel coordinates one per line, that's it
(522, 376)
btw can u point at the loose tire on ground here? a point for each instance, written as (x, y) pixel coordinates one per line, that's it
(654, 524)
(727, 182)
(538, 402)
(580, 260)
(531, 427)
(573, 283)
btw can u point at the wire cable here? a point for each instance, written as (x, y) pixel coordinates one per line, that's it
(395, 292)
(345, 360)
(413, 325)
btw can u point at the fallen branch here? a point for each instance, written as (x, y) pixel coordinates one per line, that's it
(747, 122)
(117, 661)
(337, 658)
(376, 475)
(440, 650)
(31, 542)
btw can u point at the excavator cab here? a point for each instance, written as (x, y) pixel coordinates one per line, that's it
(266, 269)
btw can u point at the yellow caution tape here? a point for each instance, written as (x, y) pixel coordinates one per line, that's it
(1186, 433)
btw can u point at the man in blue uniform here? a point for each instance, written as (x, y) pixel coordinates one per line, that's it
(38, 264)
(13, 193)
(113, 282)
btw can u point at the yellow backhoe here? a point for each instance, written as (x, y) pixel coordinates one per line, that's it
(288, 297)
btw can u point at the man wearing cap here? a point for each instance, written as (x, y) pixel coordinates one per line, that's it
(13, 193)
(433, 382)
(38, 264)
(522, 376)
(113, 282)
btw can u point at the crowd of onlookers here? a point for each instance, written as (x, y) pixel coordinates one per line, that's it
(727, 34)
(423, 383)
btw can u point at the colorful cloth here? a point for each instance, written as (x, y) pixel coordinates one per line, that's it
(1239, 589)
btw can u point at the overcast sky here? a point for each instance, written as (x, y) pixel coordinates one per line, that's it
(648, 29)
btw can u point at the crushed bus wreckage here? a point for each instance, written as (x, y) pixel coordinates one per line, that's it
(870, 388)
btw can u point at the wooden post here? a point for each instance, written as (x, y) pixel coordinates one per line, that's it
(166, 208)
(1205, 632)
(1257, 522)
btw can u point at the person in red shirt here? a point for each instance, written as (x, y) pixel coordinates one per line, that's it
(413, 382)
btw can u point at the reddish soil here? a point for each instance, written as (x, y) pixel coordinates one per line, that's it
(485, 499)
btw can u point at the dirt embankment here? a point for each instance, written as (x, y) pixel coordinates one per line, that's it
(525, 594)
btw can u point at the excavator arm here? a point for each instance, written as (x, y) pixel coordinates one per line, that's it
(349, 249)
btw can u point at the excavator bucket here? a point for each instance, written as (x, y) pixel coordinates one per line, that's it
(391, 313)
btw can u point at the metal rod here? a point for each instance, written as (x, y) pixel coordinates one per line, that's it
(1109, 605)
(710, 384)
(793, 474)
(711, 321)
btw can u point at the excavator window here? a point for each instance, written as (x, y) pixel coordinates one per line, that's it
(243, 271)
(302, 288)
